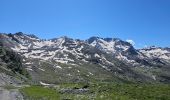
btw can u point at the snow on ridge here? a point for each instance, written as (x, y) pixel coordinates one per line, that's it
(93, 43)
(37, 51)
(124, 48)
(124, 58)
(47, 50)
(107, 46)
(79, 49)
(43, 43)
(156, 52)
(61, 61)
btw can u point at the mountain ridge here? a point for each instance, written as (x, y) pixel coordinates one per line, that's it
(81, 60)
(105, 38)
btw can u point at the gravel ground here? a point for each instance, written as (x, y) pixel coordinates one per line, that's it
(12, 94)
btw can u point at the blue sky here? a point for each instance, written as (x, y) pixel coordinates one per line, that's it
(146, 22)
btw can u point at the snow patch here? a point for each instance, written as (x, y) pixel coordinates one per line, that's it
(154, 77)
(58, 67)
(41, 69)
(90, 73)
(96, 55)
(42, 83)
(29, 69)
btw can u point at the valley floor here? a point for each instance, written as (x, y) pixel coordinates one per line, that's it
(98, 91)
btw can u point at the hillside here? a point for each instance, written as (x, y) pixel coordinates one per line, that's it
(72, 69)
(11, 69)
(63, 60)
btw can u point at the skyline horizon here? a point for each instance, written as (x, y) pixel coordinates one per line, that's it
(143, 22)
(127, 40)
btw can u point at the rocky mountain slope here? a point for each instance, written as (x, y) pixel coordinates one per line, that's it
(95, 59)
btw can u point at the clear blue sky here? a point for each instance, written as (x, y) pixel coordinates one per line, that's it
(147, 22)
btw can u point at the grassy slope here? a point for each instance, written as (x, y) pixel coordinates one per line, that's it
(101, 91)
(39, 93)
(69, 73)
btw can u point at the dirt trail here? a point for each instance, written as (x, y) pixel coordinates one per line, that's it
(10, 94)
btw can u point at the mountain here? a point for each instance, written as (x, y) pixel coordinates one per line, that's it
(95, 59)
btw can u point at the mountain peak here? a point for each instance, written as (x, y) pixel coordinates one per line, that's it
(93, 38)
(33, 36)
(19, 33)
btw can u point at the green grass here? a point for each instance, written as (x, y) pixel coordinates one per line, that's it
(132, 92)
(39, 93)
(101, 91)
